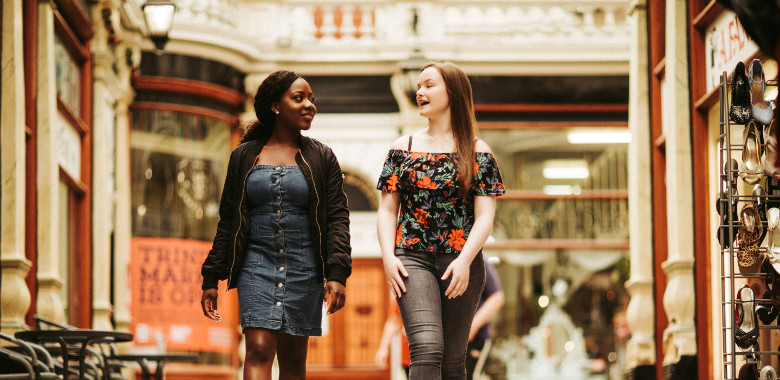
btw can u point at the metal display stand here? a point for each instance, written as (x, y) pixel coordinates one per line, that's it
(734, 357)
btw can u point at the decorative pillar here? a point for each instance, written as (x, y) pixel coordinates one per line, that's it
(679, 298)
(106, 88)
(14, 294)
(123, 205)
(50, 283)
(640, 312)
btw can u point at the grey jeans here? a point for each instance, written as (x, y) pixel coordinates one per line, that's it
(437, 327)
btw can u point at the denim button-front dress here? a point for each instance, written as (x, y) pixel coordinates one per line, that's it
(280, 287)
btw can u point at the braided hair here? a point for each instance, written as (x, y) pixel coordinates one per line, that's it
(270, 91)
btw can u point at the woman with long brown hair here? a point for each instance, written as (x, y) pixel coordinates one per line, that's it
(444, 181)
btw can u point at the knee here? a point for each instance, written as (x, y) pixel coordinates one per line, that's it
(259, 351)
(427, 348)
(292, 363)
(453, 369)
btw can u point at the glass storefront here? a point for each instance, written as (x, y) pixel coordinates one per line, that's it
(178, 168)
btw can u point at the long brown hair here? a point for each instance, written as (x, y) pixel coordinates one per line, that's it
(462, 118)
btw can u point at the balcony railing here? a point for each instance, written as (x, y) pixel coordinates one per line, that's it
(594, 218)
(387, 23)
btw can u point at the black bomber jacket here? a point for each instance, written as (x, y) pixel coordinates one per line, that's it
(328, 214)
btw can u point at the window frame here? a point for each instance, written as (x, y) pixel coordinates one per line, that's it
(74, 30)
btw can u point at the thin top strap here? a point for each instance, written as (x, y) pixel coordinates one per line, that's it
(410, 143)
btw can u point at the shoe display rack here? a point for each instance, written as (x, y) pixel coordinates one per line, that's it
(748, 205)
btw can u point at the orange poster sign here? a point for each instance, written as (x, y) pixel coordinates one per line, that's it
(165, 285)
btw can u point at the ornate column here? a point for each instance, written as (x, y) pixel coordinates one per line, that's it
(679, 297)
(106, 88)
(49, 301)
(640, 312)
(122, 206)
(14, 294)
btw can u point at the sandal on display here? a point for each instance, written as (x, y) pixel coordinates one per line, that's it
(748, 239)
(771, 264)
(751, 170)
(760, 109)
(766, 311)
(759, 200)
(725, 238)
(772, 281)
(773, 192)
(728, 213)
(770, 150)
(746, 331)
(739, 112)
(773, 242)
(748, 371)
(768, 373)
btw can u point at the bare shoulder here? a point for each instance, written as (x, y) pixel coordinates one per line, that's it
(400, 143)
(482, 146)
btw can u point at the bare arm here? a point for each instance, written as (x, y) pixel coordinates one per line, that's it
(387, 218)
(392, 327)
(486, 312)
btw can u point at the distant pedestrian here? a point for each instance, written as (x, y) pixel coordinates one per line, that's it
(393, 326)
(490, 302)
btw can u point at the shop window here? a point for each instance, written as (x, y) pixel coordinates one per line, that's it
(68, 78)
(178, 170)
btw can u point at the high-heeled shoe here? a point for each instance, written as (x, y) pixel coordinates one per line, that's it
(728, 212)
(748, 239)
(770, 150)
(748, 371)
(746, 331)
(751, 170)
(739, 112)
(771, 283)
(768, 373)
(760, 109)
(759, 199)
(766, 310)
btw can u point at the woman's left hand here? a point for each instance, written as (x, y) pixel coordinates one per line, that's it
(459, 269)
(335, 295)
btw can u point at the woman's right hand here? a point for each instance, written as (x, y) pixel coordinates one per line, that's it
(208, 301)
(394, 269)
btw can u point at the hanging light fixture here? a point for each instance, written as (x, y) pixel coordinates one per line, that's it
(159, 20)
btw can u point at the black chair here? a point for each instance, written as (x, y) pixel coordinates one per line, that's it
(108, 367)
(113, 362)
(26, 360)
(15, 366)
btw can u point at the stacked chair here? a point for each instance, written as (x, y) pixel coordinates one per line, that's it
(25, 360)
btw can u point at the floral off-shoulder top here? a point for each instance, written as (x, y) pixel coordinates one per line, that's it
(434, 218)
